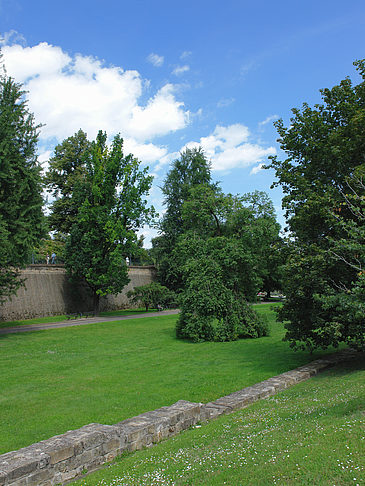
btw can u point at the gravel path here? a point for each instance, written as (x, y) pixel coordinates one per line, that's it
(83, 321)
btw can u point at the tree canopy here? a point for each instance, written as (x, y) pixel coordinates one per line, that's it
(322, 179)
(66, 168)
(189, 170)
(220, 257)
(111, 208)
(21, 217)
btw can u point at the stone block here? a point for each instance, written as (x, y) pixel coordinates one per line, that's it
(18, 482)
(19, 467)
(40, 477)
(213, 410)
(112, 445)
(61, 454)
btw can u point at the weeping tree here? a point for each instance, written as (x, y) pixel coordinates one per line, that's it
(112, 206)
(219, 254)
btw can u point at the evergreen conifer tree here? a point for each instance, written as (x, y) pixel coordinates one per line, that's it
(21, 217)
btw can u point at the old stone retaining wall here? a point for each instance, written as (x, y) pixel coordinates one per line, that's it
(48, 292)
(68, 456)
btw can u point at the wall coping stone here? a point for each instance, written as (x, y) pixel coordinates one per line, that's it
(65, 457)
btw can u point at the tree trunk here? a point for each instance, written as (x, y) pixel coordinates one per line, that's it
(96, 303)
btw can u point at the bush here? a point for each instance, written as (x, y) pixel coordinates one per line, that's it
(211, 324)
(152, 295)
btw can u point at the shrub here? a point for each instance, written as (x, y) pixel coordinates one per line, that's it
(152, 295)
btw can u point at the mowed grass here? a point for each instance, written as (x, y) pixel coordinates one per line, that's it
(50, 319)
(56, 380)
(310, 434)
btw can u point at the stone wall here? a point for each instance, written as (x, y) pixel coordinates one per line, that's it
(48, 292)
(68, 456)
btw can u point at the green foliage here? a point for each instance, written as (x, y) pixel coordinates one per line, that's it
(220, 262)
(219, 276)
(111, 208)
(47, 246)
(66, 168)
(153, 295)
(190, 170)
(21, 217)
(322, 179)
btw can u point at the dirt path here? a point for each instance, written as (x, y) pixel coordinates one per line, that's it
(83, 321)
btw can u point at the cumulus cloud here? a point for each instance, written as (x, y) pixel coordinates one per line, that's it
(67, 93)
(180, 70)
(155, 59)
(229, 148)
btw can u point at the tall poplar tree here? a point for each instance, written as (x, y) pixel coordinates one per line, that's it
(21, 217)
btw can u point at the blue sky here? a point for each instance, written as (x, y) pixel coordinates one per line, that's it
(167, 75)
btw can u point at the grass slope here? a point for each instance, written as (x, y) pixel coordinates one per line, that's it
(56, 380)
(311, 434)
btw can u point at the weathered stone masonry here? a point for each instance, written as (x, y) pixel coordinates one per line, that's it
(48, 292)
(68, 456)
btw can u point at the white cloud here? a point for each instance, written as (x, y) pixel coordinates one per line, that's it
(148, 153)
(185, 55)
(256, 169)
(180, 70)
(11, 36)
(225, 102)
(228, 148)
(163, 114)
(67, 93)
(268, 120)
(155, 59)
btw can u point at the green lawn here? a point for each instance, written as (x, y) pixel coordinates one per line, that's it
(310, 434)
(56, 380)
(42, 320)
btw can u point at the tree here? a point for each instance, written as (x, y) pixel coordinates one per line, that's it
(66, 168)
(21, 217)
(153, 295)
(190, 170)
(325, 148)
(219, 261)
(111, 208)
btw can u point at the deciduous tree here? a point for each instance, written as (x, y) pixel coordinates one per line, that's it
(221, 267)
(66, 168)
(188, 171)
(325, 148)
(111, 208)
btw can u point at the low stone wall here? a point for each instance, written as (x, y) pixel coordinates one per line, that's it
(48, 292)
(68, 456)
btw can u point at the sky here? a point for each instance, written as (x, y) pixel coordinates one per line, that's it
(170, 75)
